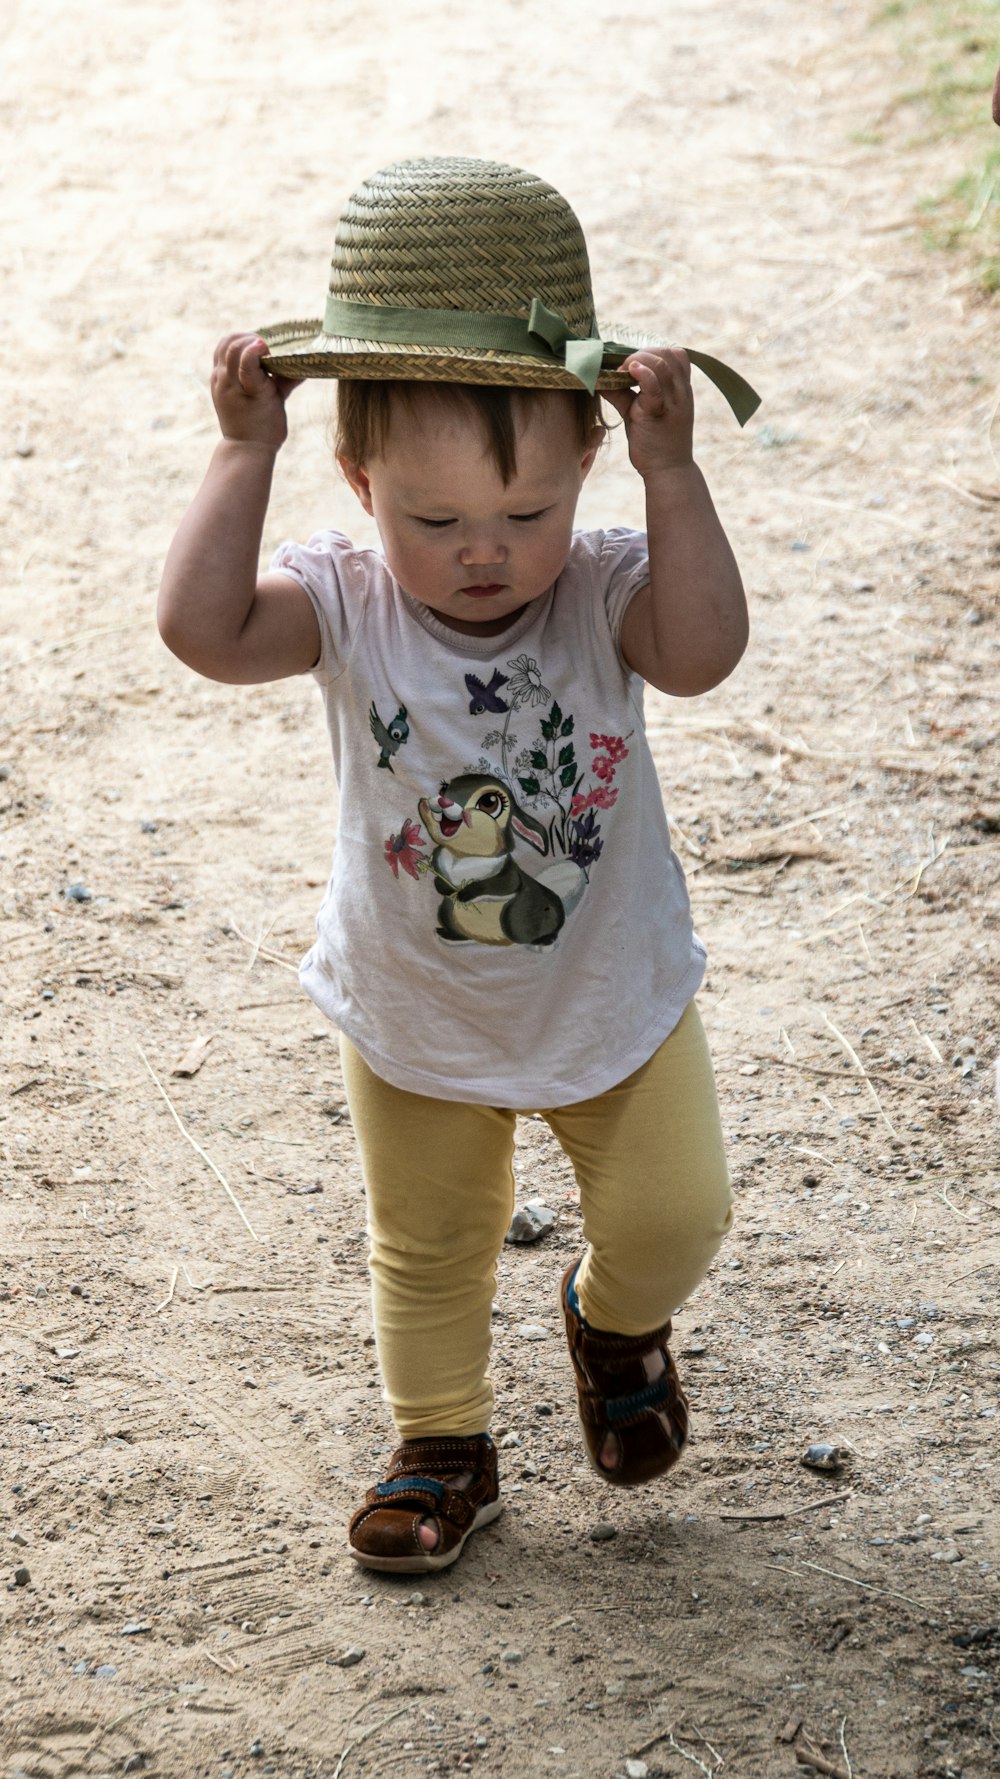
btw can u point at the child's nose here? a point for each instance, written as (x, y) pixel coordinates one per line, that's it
(481, 551)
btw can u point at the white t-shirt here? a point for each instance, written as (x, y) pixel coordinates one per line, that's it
(505, 921)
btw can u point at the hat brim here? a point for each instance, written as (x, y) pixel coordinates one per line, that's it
(300, 349)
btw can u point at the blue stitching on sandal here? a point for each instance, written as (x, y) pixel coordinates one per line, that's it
(407, 1485)
(620, 1408)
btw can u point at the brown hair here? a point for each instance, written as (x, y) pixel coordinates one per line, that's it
(364, 413)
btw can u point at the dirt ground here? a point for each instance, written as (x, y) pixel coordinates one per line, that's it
(190, 1398)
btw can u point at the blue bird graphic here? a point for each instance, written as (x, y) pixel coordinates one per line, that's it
(482, 697)
(390, 739)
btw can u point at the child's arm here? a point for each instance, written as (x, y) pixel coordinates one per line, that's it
(213, 610)
(685, 631)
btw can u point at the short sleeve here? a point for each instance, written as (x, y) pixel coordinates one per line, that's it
(335, 576)
(623, 568)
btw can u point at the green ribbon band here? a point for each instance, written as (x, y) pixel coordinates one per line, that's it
(545, 334)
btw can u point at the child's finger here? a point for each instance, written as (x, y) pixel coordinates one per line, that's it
(652, 398)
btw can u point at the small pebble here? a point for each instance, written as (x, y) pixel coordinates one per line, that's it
(136, 1627)
(349, 1659)
(603, 1532)
(77, 892)
(512, 1656)
(416, 1599)
(533, 1331)
(256, 1748)
(106, 1671)
(823, 1457)
(19, 1538)
(22, 1576)
(134, 1764)
(81, 1668)
(543, 1408)
(76, 1290)
(636, 1769)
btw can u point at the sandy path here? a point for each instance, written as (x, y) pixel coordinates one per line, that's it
(187, 1466)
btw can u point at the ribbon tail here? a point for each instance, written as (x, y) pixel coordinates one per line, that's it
(741, 396)
(584, 359)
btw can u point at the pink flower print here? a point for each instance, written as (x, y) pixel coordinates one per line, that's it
(604, 797)
(603, 767)
(612, 745)
(403, 849)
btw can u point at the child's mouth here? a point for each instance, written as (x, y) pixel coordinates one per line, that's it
(481, 592)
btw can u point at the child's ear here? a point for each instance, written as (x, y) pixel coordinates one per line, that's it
(357, 476)
(587, 460)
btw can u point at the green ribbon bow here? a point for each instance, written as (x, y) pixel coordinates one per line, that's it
(545, 334)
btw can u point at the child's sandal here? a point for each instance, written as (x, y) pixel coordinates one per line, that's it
(385, 1531)
(649, 1418)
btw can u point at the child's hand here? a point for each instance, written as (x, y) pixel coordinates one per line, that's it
(250, 404)
(659, 419)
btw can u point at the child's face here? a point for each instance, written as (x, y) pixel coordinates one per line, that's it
(469, 548)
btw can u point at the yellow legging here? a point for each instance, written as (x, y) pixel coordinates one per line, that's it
(654, 1189)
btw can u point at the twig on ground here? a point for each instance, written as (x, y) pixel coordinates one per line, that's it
(868, 1586)
(226, 1667)
(942, 1194)
(693, 1758)
(808, 1757)
(843, 1745)
(859, 1065)
(787, 1513)
(374, 1729)
(974, 1274)
(170, 1293)
(864, 945)
(151, 1704)
(272, 957)
(787, 1040)
(196, 1146)
(924, 1039)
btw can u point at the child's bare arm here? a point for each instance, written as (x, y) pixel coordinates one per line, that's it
(686, 631)
(214, 611)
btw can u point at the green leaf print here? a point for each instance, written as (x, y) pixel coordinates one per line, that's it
(567, 728)
(555, 718)
(548, 729)
(567, 776)
(530, 786)
(567, 756)
(539, 761)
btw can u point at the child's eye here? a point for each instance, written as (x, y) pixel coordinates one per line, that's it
(434, 524)
(526, 518)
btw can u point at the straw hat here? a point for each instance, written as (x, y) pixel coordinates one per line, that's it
(465, 271)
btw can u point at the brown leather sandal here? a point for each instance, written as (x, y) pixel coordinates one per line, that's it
(615, 1395)
(385, 1531)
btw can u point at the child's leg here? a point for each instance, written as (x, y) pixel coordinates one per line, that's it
(654, 1186)
(440, 1192)
(656, 1202)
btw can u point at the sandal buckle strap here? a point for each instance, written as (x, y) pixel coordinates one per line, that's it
(405, 1485)
(622, 1408)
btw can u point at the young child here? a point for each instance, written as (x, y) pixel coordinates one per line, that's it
(506, 927)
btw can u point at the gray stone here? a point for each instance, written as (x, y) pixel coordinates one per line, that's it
(350, 1658)
(512, 1656)
(22, 1576)
(602, 1532)
(823, 1457)
(530, 1222)
(533, 1331)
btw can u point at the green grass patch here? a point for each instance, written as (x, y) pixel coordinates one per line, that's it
(951, 48)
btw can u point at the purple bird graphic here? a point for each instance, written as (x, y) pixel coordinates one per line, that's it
(482, 697)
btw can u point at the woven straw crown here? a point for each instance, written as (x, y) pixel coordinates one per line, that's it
(463, 271)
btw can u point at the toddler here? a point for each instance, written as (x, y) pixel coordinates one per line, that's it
(506, 928)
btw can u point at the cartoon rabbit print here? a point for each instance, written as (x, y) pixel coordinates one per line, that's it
(485, 895)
